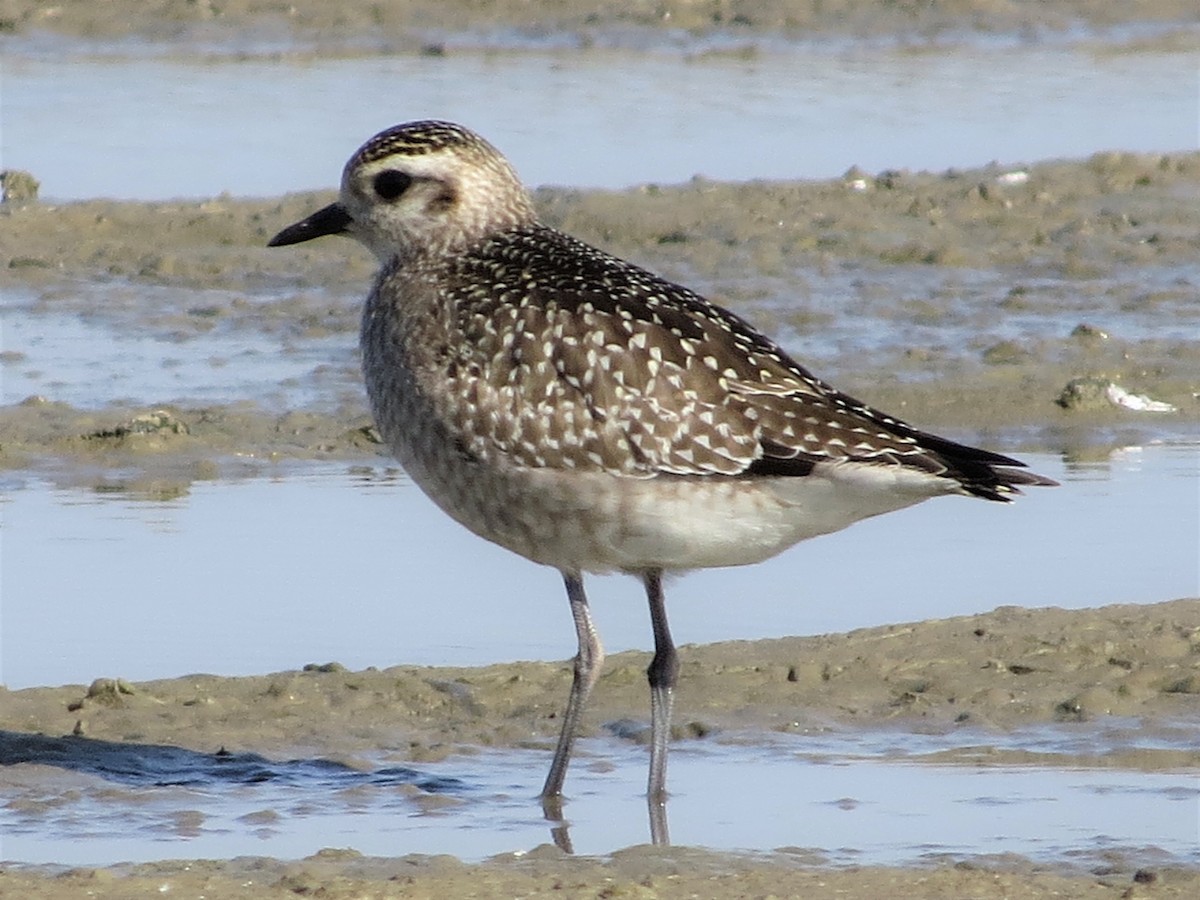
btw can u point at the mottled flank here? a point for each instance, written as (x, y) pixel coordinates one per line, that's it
(563, 356)
(590, 415)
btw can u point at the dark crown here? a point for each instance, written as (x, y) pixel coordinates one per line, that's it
(419, 138)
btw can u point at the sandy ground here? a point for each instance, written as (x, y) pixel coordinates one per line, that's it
(1094, 220)
(996, 671)
(432, 26)
(1008, 668)
(639, 872)
(1091, 226)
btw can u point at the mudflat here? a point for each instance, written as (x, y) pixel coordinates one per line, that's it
(1095, 223)
(391, 25)
(993, 672)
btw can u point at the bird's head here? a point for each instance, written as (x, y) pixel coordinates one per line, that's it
(421, 188)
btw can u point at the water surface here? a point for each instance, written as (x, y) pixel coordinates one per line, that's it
(356, 565)
(839, 799)
(590, 119)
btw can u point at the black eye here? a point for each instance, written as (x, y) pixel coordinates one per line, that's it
(391, 184)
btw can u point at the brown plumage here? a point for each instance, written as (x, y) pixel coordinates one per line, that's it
(565, 357)
(590, 415)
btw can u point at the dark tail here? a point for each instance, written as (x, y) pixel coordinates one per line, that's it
(982, 473)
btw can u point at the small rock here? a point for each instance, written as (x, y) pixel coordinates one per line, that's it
(1084, 394)
(889, 179)
(18, 187)
(29, 262)
(1070, 711)
(1089, 333)
(854, 174)
(1099, 393)
(325, 667)
(1005, 353)
(1188, 685)
(629, 730)
(108, 691)
(157, 422)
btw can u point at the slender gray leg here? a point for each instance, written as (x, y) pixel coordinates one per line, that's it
(587, 669)
(663, 673)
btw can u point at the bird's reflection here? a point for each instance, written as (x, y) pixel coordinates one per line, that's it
(560, 828)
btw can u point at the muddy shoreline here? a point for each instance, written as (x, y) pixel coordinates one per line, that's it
(643, 872)
(1072, 235)
(428, 26)
(992, 672)
(1009, 668)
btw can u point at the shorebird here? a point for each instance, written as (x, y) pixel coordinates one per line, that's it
(592, 416)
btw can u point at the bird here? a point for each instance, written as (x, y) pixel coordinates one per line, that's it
(592, 416)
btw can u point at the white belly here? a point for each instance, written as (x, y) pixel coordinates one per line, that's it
(597, 522)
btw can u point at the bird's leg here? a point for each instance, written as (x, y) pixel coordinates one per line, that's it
(660, 836)
(588, 661)
(663, 673)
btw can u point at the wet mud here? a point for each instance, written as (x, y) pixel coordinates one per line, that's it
(643, 872)
(433, 27)
(1114, 236)
(1124, 669)
(1009, 668)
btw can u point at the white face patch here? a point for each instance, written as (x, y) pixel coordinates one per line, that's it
(455, 195)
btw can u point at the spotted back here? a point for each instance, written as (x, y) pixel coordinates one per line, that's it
(540, 351)
(564, 356)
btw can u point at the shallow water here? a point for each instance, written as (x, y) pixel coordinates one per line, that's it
(600, 119)
(171, 344)
(835, 799)
(141, 339)
(243, 577)
(798, 112)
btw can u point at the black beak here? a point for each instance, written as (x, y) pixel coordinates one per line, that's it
(333, 219)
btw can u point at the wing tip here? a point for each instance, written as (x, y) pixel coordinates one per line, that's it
(1006, 482)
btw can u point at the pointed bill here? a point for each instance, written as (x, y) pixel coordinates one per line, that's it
(333, 219)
